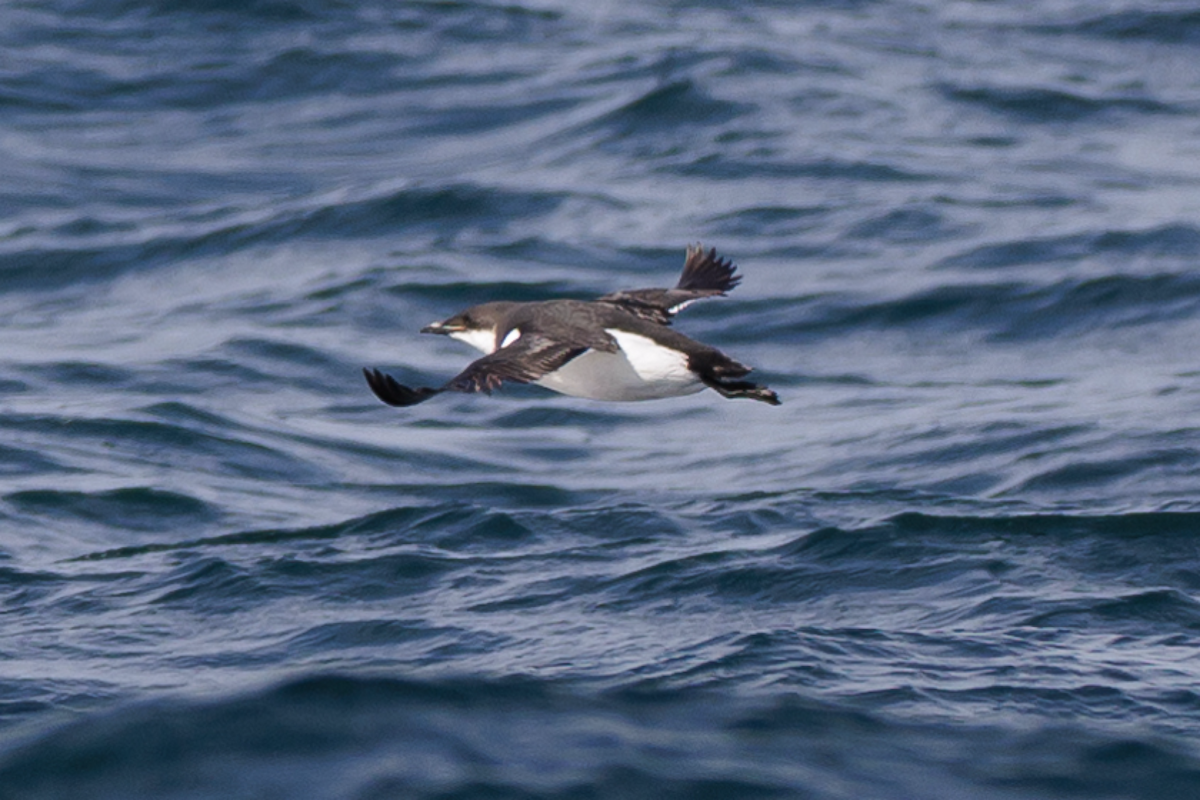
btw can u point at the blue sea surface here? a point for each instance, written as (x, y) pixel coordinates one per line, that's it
(962, 559)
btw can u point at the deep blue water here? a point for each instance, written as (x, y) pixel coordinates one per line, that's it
(962, 559)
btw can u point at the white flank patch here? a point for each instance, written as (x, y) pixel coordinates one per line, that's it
(651, 361)
(641, 371)
(511, 337)
(480, 340)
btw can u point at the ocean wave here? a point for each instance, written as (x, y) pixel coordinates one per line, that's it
(160, 442)
(478, 20)
(1175, 242)
(480, 567)
(132, 508)
(288, 74)
(671, 106)
(1012, 310)
(1095, 472)
(913, 552)
(474, 738)
(1052, 105)
(722, 167)
(104, 252)
(1166, 609)
(1165, 26)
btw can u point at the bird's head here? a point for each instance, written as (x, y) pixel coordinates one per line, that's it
(477, 326)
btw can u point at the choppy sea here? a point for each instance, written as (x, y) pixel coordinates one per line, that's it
(962, 559)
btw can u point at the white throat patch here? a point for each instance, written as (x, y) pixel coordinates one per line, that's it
(483, 340)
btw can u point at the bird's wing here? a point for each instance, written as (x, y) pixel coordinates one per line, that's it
(705, 274)
(524, 361)
(530, 357)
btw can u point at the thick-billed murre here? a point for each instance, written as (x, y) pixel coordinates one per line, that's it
(618, 347)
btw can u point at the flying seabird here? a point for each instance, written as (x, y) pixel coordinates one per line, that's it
(619, 347)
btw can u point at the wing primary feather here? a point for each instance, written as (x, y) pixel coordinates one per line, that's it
(705, 274)
(394, 393)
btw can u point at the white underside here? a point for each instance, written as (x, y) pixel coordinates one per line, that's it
(641, 370)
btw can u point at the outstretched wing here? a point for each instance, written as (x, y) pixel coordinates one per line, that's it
(524, 361)
(705, 274)
(528, 358)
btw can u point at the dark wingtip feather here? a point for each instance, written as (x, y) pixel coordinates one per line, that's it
(394, 393)
(707, 272)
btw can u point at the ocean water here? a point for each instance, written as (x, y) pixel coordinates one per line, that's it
(962, 559)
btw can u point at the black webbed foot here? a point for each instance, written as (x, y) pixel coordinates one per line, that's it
(732, 389)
